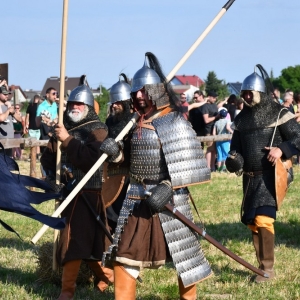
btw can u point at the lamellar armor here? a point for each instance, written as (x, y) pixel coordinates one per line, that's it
(167, 149)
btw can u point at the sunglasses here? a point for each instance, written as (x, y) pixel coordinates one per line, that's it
(54, 93)
(17, 107)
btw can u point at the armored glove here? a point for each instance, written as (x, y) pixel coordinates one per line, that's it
(50, 179)
(159, 196)
(235, 162)
(112, 148)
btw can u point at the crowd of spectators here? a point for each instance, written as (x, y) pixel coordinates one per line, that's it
(36, 122)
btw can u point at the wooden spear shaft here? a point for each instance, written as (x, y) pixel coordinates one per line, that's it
(200, 39)
(60, 115)
(210, 239)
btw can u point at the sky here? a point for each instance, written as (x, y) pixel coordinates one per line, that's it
(105, 38)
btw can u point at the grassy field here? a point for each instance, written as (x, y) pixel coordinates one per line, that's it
(219, 205)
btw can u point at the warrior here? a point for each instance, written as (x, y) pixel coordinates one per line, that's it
(165, 158)
(81, 135)
(116, 176)
(264, 132)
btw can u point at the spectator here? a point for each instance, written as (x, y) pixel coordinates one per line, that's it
(276, 95)
(30, 125)
(297, 107)
(210, 116)
(288, 101)
(297, 117)
(222, 126)
(239, 107)
(196, 116)
(184, 103)
(17, 152)
(6, 115)
(231, 106)
(46, 115)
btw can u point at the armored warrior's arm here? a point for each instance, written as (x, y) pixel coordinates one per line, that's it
(235, 161)
(84, 156)
(113, 149)
(290, 132)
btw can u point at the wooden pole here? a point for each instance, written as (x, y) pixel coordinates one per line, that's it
(60, 114)
(200, 39)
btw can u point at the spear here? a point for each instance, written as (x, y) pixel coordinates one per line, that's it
(131, 123)
(60, 114)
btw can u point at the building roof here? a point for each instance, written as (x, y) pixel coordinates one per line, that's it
(31, 93)
(189, 80)
(70, 84)
(236, 86)
(15, 87)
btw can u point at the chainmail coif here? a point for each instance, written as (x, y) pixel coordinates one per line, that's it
(91, 116)
(261, 115)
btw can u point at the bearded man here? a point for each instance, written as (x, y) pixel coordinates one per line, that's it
(82, 135)
(116, 177)
(165, 157)
(264, 132)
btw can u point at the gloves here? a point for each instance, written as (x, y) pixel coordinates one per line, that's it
(234, 162)
(50, 179)
(159, 196)
(112, 148)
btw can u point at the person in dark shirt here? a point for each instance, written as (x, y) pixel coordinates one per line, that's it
(30, 126)
(210, 116)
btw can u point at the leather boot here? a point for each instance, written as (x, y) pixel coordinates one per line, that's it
(69, 276)
(255, 241)
(104, 276)
(125, 284)
(266, 250)
(187, 293)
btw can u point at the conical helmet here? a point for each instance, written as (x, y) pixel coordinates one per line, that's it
(144, 76)
(254, 82)
(82, 94)
(120, 91)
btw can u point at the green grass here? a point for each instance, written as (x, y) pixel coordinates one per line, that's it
(218, 204)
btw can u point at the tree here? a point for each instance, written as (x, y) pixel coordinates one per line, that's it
(213, 84)
(271, 75)
(289, 79)
(102, 101)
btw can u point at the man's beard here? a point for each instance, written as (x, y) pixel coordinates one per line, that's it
(76, 115)
(143, 104)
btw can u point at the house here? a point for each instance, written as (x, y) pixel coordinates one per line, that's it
(70, 84)
(234, 88)
(17, 94)
(31, 93)
(187, 84)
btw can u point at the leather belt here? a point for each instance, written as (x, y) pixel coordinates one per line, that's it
(253, 174)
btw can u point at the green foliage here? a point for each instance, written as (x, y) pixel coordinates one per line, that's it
(289, 79)
(212, 83)
(102, 101)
